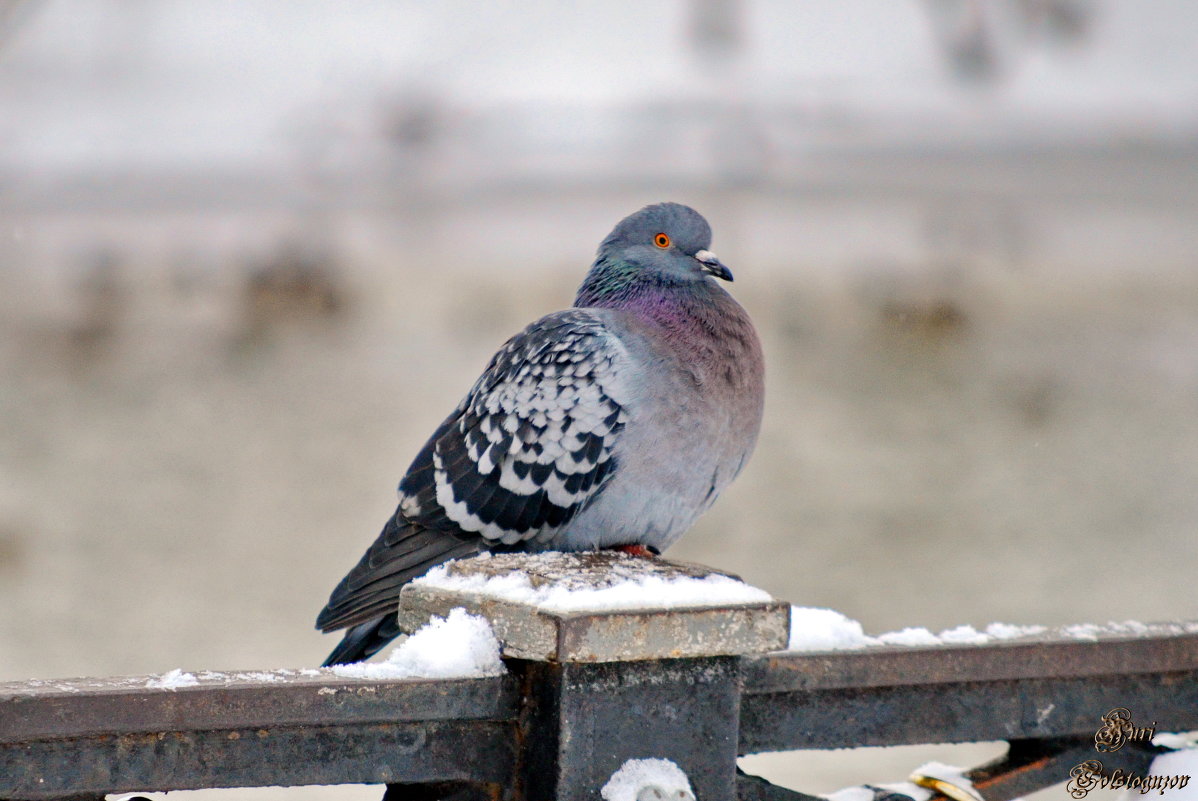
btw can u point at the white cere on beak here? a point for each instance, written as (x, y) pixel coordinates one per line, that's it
(712, 265)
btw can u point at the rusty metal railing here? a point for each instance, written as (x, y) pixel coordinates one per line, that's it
(1045, 695)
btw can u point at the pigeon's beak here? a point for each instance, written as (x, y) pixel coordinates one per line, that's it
(712, 265)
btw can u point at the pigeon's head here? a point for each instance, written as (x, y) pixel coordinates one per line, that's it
(668, 238)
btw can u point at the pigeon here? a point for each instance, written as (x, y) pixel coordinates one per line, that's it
(612, 424)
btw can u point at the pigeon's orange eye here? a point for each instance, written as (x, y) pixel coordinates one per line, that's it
(661, 240)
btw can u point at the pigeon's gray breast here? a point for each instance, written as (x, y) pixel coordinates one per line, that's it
(688, 433)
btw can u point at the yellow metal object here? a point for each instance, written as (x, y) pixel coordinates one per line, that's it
(946, 789)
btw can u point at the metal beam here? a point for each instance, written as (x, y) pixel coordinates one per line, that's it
(1171, 647)
(373, 753)
(1049, 686)
(961, 712)
(72, 708)
(1031, 765)
(65, 738)
(73, 738)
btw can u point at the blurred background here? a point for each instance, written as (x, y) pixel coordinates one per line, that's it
(252, 252)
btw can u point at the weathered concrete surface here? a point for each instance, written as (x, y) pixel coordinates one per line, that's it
(528, 631)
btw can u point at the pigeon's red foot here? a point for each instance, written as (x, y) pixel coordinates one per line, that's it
(636, 550)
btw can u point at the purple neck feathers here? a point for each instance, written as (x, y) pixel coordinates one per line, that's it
(698, 321)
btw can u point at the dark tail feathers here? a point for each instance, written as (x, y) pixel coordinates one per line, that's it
(366, 600)
(364, 640)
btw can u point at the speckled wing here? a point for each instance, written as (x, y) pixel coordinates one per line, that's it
(529, 446)
(532, 442)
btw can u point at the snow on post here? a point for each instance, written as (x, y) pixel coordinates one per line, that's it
(601, 606)
(648, 780)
